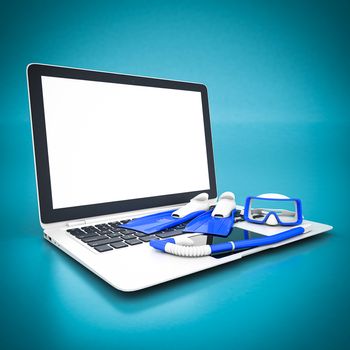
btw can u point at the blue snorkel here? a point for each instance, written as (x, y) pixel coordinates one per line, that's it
(182, 246)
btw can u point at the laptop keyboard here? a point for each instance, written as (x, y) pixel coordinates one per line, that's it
(106, 237)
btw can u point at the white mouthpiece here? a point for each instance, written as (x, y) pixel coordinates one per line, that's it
(225, 205)
(185, 241)
(200, 202)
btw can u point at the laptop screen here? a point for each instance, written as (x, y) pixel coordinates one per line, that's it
(110, 142)
(106, 143)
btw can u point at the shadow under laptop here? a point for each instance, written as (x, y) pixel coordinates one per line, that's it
(228, 281)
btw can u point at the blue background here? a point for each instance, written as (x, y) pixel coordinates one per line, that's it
(278, 79)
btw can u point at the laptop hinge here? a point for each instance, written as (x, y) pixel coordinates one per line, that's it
(98, 220)
(84, 222)
(76, 223)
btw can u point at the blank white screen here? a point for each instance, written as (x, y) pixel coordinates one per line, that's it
(110, 142)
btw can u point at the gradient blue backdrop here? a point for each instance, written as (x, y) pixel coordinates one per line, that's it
(278, 79)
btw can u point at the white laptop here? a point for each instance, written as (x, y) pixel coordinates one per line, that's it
(111, 147)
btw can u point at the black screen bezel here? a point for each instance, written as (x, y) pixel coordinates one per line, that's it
(50, 215)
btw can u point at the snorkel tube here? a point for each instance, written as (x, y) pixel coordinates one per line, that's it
(182, 246)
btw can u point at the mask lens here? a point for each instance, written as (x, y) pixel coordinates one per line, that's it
(285, 210)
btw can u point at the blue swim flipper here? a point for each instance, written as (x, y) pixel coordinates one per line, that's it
(211, 225)
(157, 222)
(217, 222)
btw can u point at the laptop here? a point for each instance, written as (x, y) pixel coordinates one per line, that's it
(109, 148)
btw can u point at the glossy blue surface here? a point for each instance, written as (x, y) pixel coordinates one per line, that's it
(157, 222)
(208, 224)
(278, 80)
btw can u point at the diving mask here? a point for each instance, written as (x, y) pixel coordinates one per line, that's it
(273, 209)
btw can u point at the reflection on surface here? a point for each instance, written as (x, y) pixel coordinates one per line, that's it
(169, 299)
(67, 297)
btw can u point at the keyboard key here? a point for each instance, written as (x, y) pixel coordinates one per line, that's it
(113, 229)
(93, 238)
(88, 228)
(148, 238)
(76, 231)
(117, 229)
(124, 221)
(119, 245)
(104, 232)
(85, 235)
(133, 241)
(113, 234)
(126, 232)
(102, 227)
(114, 223)
(104, 241)
(168, 234)
(138, 234)
(126, 237)
(93, 231)
(116, 239)
(103, 248)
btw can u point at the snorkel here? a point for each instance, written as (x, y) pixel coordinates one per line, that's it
(183, 246)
